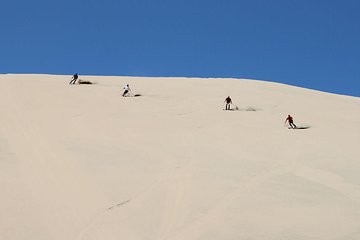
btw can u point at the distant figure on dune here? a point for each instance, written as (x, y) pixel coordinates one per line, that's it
(291, 121)
(73, 80)
(126, 90)
(228, 102)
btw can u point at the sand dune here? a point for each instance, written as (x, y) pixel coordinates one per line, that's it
(81, 162)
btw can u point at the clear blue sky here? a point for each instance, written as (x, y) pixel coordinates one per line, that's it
(308, 43)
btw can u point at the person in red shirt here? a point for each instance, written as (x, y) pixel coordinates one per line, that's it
(291, 121)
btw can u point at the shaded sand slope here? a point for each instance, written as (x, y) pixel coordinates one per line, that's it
(81, 162)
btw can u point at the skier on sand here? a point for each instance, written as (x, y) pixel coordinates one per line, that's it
(126, 90)
(73, 80)
(291, 121)
(228, 102)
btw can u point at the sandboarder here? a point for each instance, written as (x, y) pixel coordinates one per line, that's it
(228, 102)
(126, 90)
(291, 121)
(73, 80)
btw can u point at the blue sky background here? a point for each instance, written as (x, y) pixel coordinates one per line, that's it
(308, 43)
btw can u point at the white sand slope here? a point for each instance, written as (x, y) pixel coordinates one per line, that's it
(81, 162)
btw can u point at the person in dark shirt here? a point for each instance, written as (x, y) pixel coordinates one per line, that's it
(73, 80)
(228, 102)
